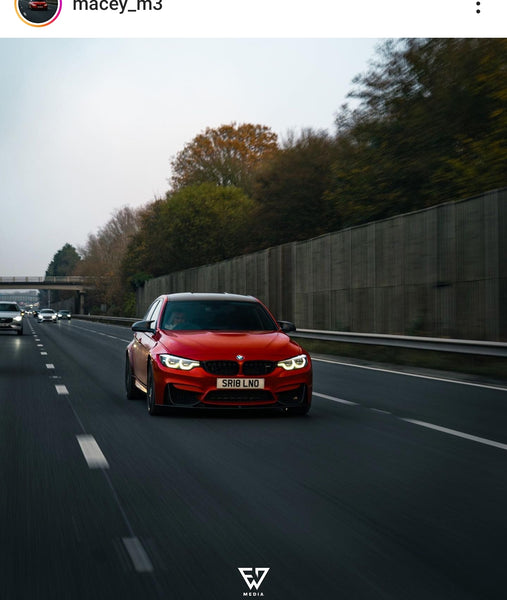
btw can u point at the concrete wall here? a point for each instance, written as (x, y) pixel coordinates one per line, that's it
(436, 272)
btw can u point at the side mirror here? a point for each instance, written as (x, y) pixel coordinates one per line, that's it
(287, 326)
(143, 327)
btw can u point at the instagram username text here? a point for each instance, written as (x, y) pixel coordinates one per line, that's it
(121, 6)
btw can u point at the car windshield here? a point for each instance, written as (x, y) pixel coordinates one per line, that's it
(47, 310)
(8, 307)
(217, 315)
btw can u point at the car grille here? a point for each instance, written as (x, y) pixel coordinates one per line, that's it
(239, 396)
(221, 367)
(231, 367)
(5, 320)
(258, 367)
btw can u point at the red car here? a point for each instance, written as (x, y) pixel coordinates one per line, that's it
(38, 5)
(216, 351)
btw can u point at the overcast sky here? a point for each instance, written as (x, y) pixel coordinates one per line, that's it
(88, 126)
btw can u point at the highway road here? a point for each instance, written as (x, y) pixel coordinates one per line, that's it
(393, 487)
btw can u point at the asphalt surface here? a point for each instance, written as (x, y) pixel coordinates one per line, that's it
(393, 487)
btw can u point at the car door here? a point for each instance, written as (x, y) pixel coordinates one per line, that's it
(144, 342)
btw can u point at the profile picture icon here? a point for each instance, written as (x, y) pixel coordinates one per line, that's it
(38, 13)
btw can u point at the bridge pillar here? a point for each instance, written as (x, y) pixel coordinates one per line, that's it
(81, 302)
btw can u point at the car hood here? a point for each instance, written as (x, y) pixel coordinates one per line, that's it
(226, 345)
(8, 314)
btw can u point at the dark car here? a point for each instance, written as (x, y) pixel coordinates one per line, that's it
(216, 351)
(64, 314)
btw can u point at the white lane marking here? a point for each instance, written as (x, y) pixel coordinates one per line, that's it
(114, 337)
(92, 453)
(43, 353)
(444, 379)
(138, 556)
(40, 345)
(454, 432)
(50, 366)
(460, 434)
(61, 389)
(340, 400)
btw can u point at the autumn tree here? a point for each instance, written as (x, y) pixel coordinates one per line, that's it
(223, 156)
(431, 126)
(102, 257)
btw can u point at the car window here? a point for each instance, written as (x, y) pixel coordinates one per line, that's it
(153, 312)
(8, 306)
(217, 315)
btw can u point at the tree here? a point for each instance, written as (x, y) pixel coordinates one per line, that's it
(102, 259)
(194, 226)
(430, 126)
(223, 156)
(289, 189)
(64, 263)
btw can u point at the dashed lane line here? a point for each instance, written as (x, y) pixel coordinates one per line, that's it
(460, 434)
(454, 432)
(138, 556)
(406, 374)
(334, 399)
(92, 452)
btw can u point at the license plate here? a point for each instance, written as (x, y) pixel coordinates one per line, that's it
(237, 383)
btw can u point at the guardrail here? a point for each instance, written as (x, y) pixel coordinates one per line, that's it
(125, 321)
(47, 279)
(476, 347)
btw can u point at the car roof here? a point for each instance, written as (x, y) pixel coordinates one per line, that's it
(208, 296)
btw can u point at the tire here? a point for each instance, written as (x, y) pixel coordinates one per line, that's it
(153, 409)
(133, 393)
(20, 332)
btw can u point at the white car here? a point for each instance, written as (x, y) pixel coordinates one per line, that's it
(47, 314)
(11, 318)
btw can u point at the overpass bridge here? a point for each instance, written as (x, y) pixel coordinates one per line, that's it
(51, 282)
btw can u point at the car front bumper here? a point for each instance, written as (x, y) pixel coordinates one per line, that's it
(9, 324)
(198, 389)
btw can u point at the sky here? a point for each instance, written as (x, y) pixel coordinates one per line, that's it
(88, 126)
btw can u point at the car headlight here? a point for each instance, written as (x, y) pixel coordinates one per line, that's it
(18, 318)
(176, 362)
(296, 362)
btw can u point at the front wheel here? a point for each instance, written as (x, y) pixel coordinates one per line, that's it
(153, 409)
